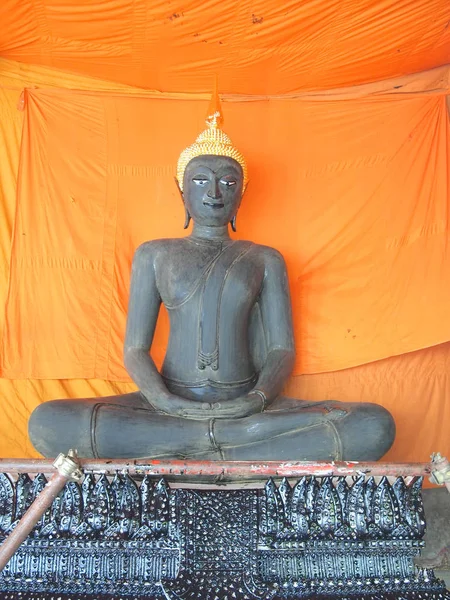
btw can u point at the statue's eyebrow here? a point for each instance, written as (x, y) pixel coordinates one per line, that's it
(201, 166)
(231, 170)
(229, 174)
(198, 170)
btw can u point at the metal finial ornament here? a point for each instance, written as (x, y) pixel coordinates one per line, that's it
(214, 119)
(212, 141)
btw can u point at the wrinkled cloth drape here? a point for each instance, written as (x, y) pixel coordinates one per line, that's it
(415, 387)
(353, 192)
(257, 47)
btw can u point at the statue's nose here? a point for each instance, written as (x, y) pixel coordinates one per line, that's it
(214, 190)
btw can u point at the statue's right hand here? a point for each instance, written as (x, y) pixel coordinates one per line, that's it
(238, 408)
(176, 406)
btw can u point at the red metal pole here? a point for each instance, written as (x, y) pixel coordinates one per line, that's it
(236, 469)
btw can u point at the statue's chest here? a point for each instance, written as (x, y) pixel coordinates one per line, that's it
(204, 275)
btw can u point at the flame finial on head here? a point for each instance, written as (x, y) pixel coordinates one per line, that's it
(211, 141)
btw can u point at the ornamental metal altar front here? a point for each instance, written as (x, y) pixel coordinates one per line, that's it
(135, 537)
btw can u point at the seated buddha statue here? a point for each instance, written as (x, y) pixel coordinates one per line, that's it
(230, 351)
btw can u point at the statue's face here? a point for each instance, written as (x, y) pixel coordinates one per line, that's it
(212, 189)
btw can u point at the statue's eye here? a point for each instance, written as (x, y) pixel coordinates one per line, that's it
(200, 180)
(228, 182)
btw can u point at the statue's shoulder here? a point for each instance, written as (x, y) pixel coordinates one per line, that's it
(157, 254)
(269, 255)
(153, 249)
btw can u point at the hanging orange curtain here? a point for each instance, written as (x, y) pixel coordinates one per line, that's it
(257, 47)
(415, 387)
(18, 397)
(357, 188)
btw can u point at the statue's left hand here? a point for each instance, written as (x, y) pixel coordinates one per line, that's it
(238, 408)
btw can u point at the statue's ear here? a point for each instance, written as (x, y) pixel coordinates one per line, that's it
(179, 188)
(233, 220)
(187, 217)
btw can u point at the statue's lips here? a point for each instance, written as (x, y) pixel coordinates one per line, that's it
(214, 204)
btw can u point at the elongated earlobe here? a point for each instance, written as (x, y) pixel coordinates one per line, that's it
(233, 220)
(187, 215)
(187, 218)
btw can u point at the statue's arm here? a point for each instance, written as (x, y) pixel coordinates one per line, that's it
(143, 310)
(276, 313)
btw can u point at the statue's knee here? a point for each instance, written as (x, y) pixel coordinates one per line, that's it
(60, 425)
(387, 424)
(38, 426)
(380, 421)
(367, 432)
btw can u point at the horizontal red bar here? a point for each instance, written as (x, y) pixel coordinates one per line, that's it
(226, 469)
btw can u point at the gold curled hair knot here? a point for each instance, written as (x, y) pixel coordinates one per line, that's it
(211, 141)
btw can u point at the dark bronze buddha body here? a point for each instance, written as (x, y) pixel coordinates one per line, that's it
(230, 352)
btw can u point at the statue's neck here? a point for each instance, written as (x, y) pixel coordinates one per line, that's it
(210, 233)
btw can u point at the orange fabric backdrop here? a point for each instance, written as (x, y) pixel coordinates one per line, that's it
(415, 386)
(353, 192)
(260, 47)
(256, 47)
